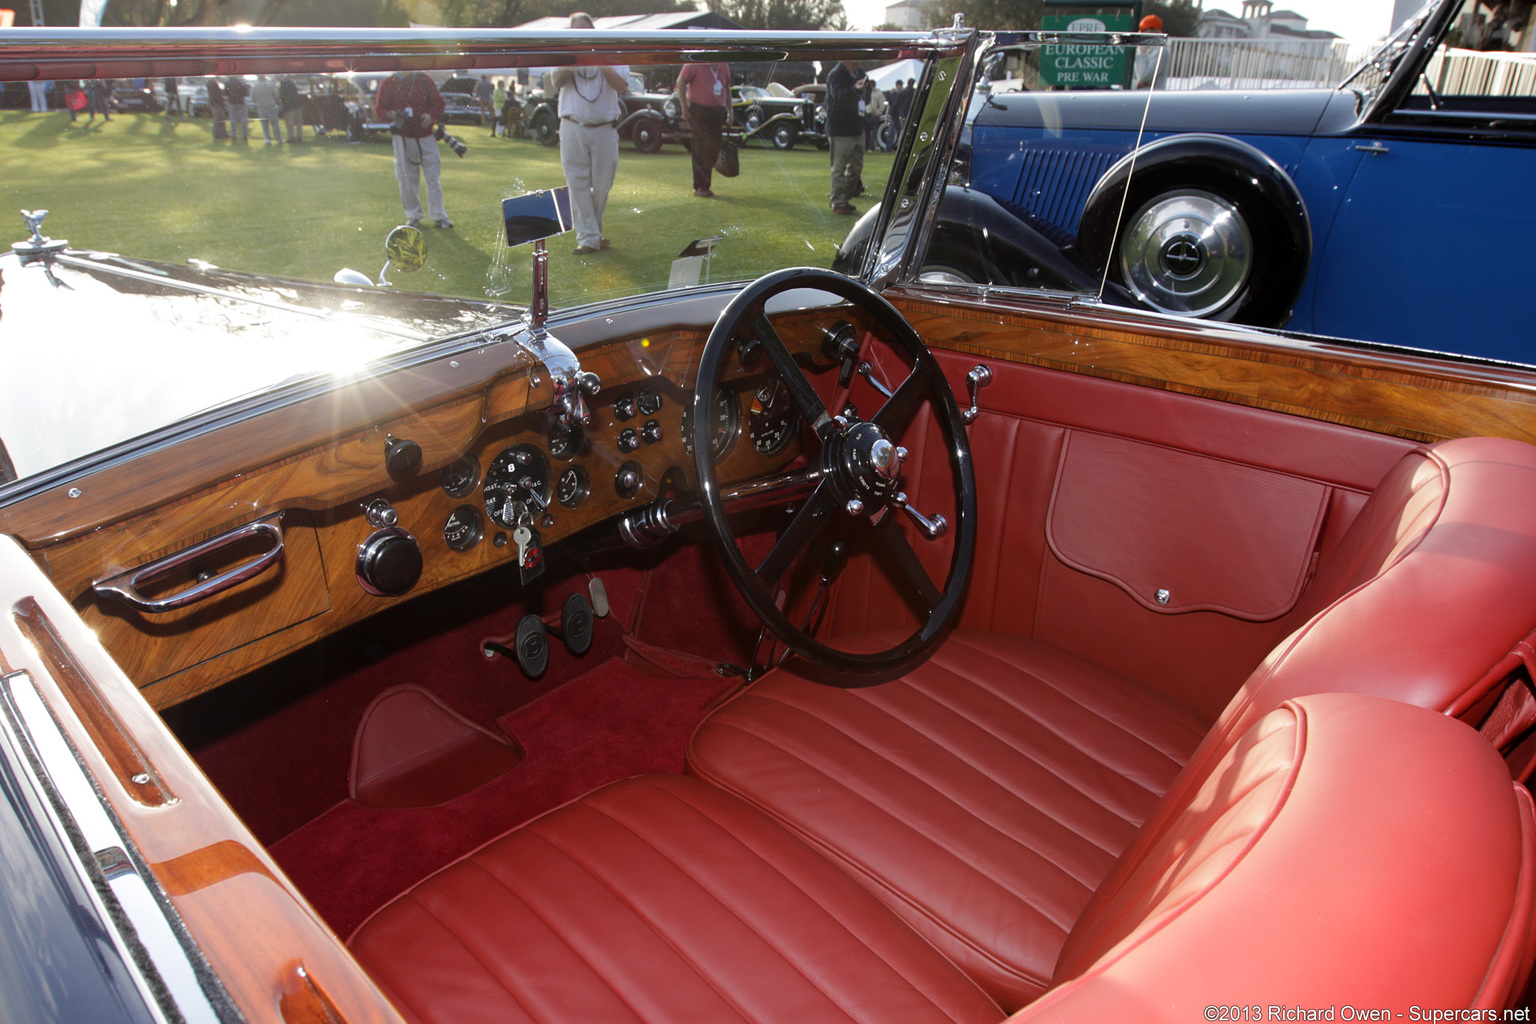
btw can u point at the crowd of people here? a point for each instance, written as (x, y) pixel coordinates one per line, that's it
(588, 99)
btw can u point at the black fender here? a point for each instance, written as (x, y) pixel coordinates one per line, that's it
(1239, 172)
(627, 125)
(981, 238)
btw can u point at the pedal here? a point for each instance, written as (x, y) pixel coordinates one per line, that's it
(532, 646)
(599, 597)
(575, 625)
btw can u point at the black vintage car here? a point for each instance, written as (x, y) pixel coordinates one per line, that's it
(682, 630)
(773, 114)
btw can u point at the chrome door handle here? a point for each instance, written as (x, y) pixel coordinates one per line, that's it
(125, 587)
(1372, 147)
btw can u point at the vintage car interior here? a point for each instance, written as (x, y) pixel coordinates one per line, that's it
(768, 643)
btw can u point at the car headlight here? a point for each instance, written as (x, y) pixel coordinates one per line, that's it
(670, 108)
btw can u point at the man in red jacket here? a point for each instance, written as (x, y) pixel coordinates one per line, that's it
(412, 105)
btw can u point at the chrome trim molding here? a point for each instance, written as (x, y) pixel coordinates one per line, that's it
(171, 976)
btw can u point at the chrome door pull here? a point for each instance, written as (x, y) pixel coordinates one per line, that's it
(125, 587)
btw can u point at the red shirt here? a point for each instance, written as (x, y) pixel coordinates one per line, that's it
(419, 93)
(709, 85)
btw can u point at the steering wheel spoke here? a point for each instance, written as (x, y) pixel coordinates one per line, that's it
(898, 410)
(800, 391)
(889, 532)
(803, 530)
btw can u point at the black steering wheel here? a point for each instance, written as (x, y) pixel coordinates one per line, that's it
(853, 481)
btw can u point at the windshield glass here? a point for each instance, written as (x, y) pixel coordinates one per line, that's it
(200, 225)
(1370, 77)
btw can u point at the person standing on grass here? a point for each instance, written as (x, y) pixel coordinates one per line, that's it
(268, 109)
(39, 93)
(236, 93)
(97, 94)
(704, 92)
(484, 95)
(412, 104)
(289, 98)
(589, 140)
(845, 132)
(498, 107)
(217, 109)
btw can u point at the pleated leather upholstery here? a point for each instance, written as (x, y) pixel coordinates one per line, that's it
(1426, 594)
(984, 796)
(659, 900)
(1347, 851)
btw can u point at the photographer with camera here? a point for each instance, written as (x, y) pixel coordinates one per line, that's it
(412, 105)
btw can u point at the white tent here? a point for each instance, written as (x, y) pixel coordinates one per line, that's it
(885, 77)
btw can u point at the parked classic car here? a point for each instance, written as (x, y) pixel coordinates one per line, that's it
(1349, 212)
(711, 636)
(775, 115)
(459, 102)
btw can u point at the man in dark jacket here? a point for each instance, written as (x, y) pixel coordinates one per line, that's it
(845, 132)
(413, 106)
(292, 103)
(217, 108)
(236, 94)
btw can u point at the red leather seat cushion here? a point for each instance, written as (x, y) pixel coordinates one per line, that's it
(656, 899)
(983, 797)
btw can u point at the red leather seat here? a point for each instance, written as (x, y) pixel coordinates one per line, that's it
(986, 796)
(656, 899)
(1345, 849)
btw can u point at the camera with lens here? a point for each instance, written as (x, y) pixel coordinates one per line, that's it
(453, 142)
(398, 122)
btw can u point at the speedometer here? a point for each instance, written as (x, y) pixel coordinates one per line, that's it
(725, 412)
(772, 419)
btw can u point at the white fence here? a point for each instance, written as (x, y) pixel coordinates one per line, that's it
(1259, 63)
(1470, 73)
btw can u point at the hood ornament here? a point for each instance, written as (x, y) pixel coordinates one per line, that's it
(39, 246)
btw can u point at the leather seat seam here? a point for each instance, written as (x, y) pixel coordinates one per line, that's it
(1044, 860)
(491, 973)
(592, 873)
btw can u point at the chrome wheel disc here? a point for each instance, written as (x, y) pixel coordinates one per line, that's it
(1187, 252)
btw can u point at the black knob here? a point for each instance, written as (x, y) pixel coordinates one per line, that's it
(402, 457)
(629, 440)
(624, 408)
(650, 433)
(388, 562)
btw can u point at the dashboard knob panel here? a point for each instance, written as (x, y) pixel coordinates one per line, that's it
(388, 562)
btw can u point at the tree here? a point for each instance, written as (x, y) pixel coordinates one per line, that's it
(784, 15)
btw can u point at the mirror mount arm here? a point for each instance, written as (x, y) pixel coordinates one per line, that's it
(571, 384)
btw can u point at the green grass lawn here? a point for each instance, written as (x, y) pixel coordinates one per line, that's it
(154, 189)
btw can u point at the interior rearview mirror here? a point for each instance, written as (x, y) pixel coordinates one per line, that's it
(537, 215)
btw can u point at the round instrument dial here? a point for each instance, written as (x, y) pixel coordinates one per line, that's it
(573, 487)
(772, 419)
(648, 401)
(460, 478)
(564, 441)
(516, 482)
(464, 528)
(726, 413)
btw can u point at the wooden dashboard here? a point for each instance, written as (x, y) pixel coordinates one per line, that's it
(314, 466)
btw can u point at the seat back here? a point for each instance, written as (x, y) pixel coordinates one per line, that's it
(1345, 850)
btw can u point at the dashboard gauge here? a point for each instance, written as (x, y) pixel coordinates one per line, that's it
(573, 487)
(727, 424)
(516, 482)
(772, 419)
(564, 441)
(460, 478)
(464, 528)
(649, 401)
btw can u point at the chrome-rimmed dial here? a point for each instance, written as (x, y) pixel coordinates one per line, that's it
(564, 441)
(518, 480)
(573, 487)
(464, 529)
(772, 419)
(459, 479)
(727, 424)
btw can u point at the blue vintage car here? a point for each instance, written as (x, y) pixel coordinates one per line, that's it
(1388, 209)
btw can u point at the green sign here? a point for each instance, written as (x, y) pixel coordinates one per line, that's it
(1072, 66)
